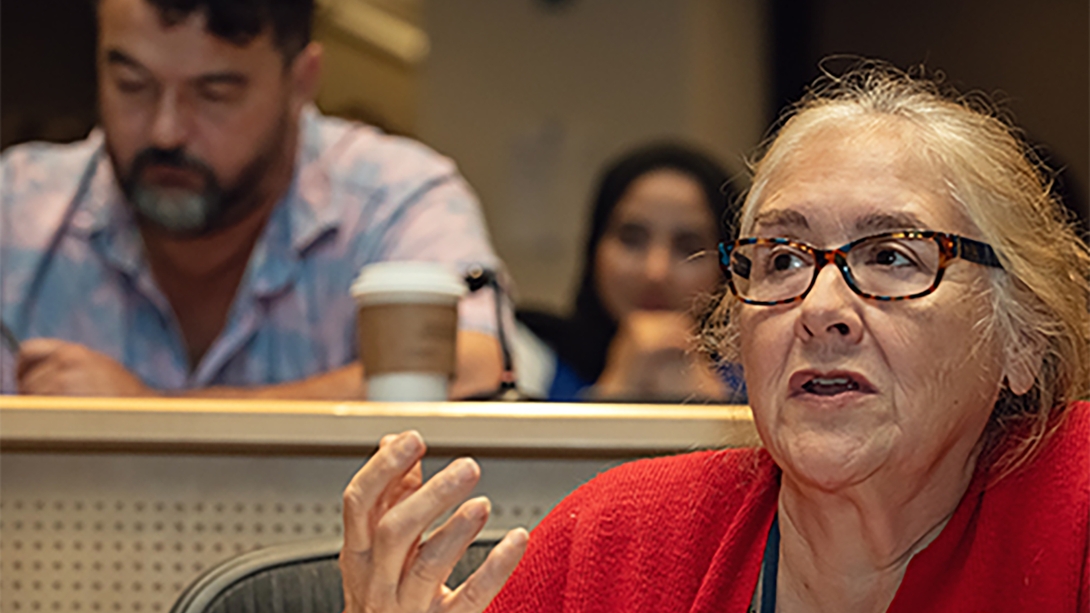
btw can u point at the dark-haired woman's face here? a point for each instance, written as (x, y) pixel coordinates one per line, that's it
(658, 250)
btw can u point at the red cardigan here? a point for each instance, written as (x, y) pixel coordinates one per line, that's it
(687, 533)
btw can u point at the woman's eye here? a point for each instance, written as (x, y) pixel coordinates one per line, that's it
(632, 236)
(892, 258)
(131, 87)
(784, 261)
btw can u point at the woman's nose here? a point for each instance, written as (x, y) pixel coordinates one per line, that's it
(829, 310)
(657, 264)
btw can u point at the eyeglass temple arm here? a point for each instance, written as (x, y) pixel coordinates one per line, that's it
(976, 251)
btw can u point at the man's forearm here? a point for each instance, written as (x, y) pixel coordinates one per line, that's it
(479, 365)
(345, 383)
(478, 370)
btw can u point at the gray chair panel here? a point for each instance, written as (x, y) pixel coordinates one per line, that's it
(295, 578)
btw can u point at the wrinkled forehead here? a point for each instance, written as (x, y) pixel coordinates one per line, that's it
(827, 159)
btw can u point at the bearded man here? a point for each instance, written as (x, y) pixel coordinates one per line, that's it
(202, 241)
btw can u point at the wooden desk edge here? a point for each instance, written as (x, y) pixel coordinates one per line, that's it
(311, 407)
(55, 424)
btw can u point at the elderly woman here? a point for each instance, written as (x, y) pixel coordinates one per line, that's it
(911, 311)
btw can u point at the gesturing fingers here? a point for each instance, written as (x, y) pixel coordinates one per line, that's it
(387, 507)
(381, 480)
(401, 489)
(436, 558)
(398, 531)
(483, 585)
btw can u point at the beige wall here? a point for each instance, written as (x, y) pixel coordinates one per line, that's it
(363, 85)
(532, 102)
(360, 81)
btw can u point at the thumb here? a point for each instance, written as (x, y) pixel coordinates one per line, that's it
(35, 351)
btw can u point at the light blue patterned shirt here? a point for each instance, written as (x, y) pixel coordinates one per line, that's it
(72, 264)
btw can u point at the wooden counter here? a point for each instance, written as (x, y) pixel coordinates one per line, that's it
(47, 423)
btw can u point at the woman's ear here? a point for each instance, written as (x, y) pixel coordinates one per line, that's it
(1022, 368)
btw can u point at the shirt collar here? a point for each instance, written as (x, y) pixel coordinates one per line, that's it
(305, 213)
(102, 216)
(314, 210)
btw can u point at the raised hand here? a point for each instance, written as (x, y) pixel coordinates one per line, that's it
(385, 565)
(653, 357)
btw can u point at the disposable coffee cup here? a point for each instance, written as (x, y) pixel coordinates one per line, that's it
(406, 325)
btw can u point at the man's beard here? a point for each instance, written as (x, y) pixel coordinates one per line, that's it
(186, 212)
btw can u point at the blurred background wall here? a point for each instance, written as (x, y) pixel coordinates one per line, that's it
(532, 97)
(532, 101)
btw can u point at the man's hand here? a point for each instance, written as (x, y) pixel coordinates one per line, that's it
(53, 367)
(387, 507)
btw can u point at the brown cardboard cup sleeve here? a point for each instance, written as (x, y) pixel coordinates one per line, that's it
(408, 338)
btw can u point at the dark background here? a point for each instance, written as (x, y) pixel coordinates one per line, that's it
(47, 70)
(1033, 57)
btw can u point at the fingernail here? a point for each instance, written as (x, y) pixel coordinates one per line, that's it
(464, 469)
(517, 537)
(407, 445)
(479, 508)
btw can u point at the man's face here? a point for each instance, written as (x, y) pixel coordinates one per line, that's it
(193, 123)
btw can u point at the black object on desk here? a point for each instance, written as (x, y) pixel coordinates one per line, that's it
(477, 278)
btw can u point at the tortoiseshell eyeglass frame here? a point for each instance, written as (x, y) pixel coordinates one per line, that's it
(951, 247)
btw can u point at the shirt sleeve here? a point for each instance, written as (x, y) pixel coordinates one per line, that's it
(441, 221)
(38, 184)
(7, 371)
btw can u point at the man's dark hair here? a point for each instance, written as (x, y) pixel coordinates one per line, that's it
(239, 21)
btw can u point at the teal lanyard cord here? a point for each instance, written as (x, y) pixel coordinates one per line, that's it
(770, 567)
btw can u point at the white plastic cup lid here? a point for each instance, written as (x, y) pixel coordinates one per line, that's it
(387, 280)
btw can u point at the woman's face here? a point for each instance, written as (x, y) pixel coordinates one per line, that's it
(645, 260)
(925, 371)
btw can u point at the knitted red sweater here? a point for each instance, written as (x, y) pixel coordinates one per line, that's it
(687, 533)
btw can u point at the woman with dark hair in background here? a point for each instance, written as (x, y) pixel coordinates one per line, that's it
(658, 214)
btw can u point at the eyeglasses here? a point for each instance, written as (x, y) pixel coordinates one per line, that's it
(889, 266)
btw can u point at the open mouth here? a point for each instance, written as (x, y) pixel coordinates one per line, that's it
(829, 383)
(830, 386)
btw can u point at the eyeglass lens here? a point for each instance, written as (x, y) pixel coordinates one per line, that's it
(879, 266)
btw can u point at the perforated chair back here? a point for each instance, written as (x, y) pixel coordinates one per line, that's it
(299, 577)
